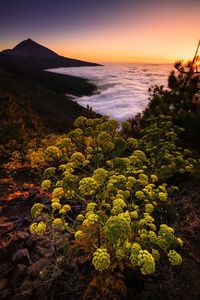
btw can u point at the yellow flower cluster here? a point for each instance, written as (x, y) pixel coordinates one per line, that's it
(57, 223)
(88, 150)
(130, 182)
(46, 184)
(55, 206)
(135, 249)
(140, 155)
(90, 218)
(77, 158)
(146, 262)
(134, 214)
(139, 195)
(118, 228)
(49, 172)
(162, 196)
(166, 237)
(65, 209)
(57, 192)
(69, 194)
(79, 235)
(155, 253)
(143, 179)
(149, 208)
(179, 241)
(52, 153)
(87, 186)
(103, 138)
(147, 221)
(101, 259)
(133, 143)
(39, 228)
(174, 258)
(76, 134)
(36, 209)
(91, 206)
(80, 122)
(80, 217)
(152, 237)
(100, 175)
(118, 205)
(154, 178)
(120, 253)
(126, 217)
(66, 146)
(86, 163)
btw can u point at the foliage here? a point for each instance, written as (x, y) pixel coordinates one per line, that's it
(182, 94)
(181, 100)
(20, 125)
(48, 149)
(108, 201)
(159, 140)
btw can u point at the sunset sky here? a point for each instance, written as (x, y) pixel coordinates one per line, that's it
(105, 30)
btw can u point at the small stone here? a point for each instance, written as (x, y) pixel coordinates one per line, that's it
(5, 269)
(3, 282)
(5, 294)
(22, 235)
(45, 252)
(18, 275)
(37, 267)
(26, 289)
(22, 257)
(30, 242)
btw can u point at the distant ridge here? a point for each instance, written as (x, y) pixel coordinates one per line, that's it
(38, 56)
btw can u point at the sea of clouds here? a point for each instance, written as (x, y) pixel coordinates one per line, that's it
(122, 88)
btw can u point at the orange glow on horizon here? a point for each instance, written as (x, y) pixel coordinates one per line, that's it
(103, 56)
(160, 34)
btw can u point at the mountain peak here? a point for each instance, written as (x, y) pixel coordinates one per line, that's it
(41, 57)
(29, 48)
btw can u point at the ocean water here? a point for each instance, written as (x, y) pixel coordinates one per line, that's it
(122, 88)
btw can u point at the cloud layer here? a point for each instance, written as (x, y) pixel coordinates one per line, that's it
(122, 88)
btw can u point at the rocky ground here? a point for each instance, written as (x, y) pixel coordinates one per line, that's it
(22, 257)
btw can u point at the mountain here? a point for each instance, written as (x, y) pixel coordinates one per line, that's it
(38, 56)
(29, 48)
(33, 102)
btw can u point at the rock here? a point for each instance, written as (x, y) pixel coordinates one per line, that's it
(5, 269)
(35, 268)
(3, 282)
(22, 235)
(5, 293)
(25, 290)
(22, 257)
(27, 220)
(45, 252)
(18, 275)
(30, 242)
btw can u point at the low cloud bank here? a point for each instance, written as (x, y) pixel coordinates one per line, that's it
(123, 88)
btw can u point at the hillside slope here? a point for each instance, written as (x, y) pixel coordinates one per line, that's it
(32, 103)
(34, 54)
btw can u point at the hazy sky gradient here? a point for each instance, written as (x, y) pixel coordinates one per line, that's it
(106, 30)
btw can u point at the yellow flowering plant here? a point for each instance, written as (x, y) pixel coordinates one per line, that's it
(117, 185)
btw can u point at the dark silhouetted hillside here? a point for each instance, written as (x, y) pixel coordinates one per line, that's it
(33, 102)
(36, 55)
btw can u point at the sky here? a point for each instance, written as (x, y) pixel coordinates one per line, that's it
(151, 31)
